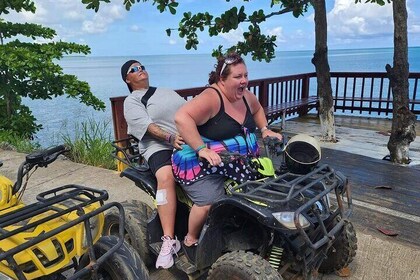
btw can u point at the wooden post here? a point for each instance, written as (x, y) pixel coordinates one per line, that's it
(305, 94)
(118, 120)
(305, 86)
(263, 93)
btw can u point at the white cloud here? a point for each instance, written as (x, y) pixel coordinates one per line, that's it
(348, 20)
(100, 21)
(135, 28)
(74, 15)
(233, 36)
(277, 31)
(414, 28)
(66, 16)
(350, 23)
(300, 34)
(172, 42)
(92, 27)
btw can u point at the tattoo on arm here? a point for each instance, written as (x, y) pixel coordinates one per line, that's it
(157, 132)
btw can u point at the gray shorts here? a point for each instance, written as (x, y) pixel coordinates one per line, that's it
(207, 190)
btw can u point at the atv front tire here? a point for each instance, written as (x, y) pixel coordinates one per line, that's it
(137, 214)
(242, 265)
(125, 263)
(342, 251)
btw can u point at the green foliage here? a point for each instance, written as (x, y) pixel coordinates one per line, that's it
(161, 4)
(17, 6)
(27, 69)
(10, 140)
(91, 144)
(260, 46)
(379, 2)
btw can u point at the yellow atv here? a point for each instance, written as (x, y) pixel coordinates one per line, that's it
(59, 236)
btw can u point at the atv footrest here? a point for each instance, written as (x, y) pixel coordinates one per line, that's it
(183, 264)
(156, 247)
(181, 261)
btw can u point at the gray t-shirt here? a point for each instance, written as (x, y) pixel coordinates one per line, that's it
(161, 109)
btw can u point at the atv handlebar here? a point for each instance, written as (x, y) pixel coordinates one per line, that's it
(273, 146)
(45, 157)
(37, 159)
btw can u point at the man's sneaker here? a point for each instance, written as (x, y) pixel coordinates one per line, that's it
(169, 248)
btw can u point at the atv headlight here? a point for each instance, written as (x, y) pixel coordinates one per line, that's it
(287, 219)
(94, 229)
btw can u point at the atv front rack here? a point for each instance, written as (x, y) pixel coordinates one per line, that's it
(289, 191)
(74, 198)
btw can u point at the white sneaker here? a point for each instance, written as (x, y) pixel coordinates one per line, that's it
(169, 248)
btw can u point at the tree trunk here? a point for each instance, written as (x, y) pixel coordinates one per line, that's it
(403, 120)
(323, 76)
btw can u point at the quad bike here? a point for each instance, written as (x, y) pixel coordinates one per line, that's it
(293, 222)
(60, 234)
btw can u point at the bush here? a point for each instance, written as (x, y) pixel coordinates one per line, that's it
(12, 141)
(91, 144)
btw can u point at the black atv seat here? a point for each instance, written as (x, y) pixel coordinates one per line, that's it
(142, 177)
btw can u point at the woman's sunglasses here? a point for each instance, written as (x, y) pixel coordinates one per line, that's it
(136, 69)
(228, 61)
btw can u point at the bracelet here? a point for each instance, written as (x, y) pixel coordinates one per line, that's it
(200, 148)
(168, 138)
(263, 129)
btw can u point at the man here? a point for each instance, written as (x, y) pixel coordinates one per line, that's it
(151, 121)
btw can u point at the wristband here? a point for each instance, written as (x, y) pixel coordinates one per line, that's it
(168, 138)
(200, 148)
(263, 129)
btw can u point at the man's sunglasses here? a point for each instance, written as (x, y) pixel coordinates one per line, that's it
(136, 69)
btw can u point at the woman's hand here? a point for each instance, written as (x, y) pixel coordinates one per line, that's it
(211, 156)
(268, 132)
(177, 141)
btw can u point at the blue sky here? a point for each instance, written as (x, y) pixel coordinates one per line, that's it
(113, 31)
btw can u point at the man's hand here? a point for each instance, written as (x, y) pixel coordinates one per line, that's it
(177, 141)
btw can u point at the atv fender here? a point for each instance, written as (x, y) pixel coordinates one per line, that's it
(145, 180)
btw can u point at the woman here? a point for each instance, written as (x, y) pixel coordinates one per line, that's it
(223, 117)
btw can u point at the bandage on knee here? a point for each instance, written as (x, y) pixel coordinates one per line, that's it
(161, 197)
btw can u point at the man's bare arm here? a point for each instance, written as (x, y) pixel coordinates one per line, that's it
(163, 135)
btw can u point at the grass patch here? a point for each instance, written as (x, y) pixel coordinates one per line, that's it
(91, 144)
(11, 141)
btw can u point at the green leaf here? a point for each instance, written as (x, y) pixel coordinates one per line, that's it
(172, 10)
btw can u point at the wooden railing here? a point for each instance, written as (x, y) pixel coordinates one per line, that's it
(359, 93)
(353, 93)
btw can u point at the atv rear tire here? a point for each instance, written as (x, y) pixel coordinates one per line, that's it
(125, 263)
(342, 251)
(242, 265)
(137, 214)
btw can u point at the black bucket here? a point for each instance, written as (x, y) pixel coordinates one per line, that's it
(302, 154)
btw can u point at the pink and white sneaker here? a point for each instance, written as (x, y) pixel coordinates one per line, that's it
(169, 248)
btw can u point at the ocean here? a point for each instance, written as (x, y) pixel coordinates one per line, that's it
(59, 115)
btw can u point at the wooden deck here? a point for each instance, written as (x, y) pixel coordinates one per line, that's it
(385, 195)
